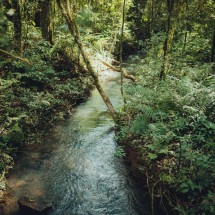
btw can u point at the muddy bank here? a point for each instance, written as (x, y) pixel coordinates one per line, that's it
(140, 172)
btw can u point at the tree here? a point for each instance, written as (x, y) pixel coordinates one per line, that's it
(213, 47)
(17, 21)
(45, 18)
(169, 31)
(16, 17)
(65, 9)
(138, 24)
(121, 46)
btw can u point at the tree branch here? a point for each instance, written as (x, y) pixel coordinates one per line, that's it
(124, 73)
(15, 56)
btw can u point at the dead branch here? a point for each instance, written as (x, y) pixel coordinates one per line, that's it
(124, 72)
(15, 56)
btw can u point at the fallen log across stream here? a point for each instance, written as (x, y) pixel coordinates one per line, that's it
(124, 72)
(69, 16)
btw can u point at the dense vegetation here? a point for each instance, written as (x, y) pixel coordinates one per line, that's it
(166, 125)
(37, 90)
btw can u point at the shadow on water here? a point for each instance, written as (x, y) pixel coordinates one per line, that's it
(76, 168)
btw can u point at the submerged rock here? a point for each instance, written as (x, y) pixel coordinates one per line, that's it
(28, 206)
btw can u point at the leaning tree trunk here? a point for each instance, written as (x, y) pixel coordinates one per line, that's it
(75, 33)
(17, 22)
(45, 20)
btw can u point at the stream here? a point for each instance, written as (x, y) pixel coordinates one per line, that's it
(76, 167)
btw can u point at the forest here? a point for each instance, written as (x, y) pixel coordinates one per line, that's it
(163, 51)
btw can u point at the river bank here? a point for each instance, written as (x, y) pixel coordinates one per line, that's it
(167, 129)
(35, 99)
(78, 171)
(80, 151)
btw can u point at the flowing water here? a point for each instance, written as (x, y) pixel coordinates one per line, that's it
(76, 167)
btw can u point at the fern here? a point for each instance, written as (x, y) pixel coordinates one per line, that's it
(139, 125)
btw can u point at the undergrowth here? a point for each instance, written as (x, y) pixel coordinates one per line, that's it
(33, 97)
(170, 125)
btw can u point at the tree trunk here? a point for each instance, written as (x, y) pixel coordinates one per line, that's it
(17, 22)
(152, 18)
(170, 4)
(186, 24)
(45, 20)
(213, 47)
(37, 16)
(121, 47)
(64, 7)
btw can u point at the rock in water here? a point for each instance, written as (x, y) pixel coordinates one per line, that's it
(32, 207)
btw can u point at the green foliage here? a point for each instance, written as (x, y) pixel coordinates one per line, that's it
(170, 124)
(196, 49)
(120, 152)
(34, 96)
(173, 130)
(6, 41)
(138, 22)
(87, 19)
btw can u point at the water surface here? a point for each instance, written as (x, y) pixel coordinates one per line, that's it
(76, 168)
